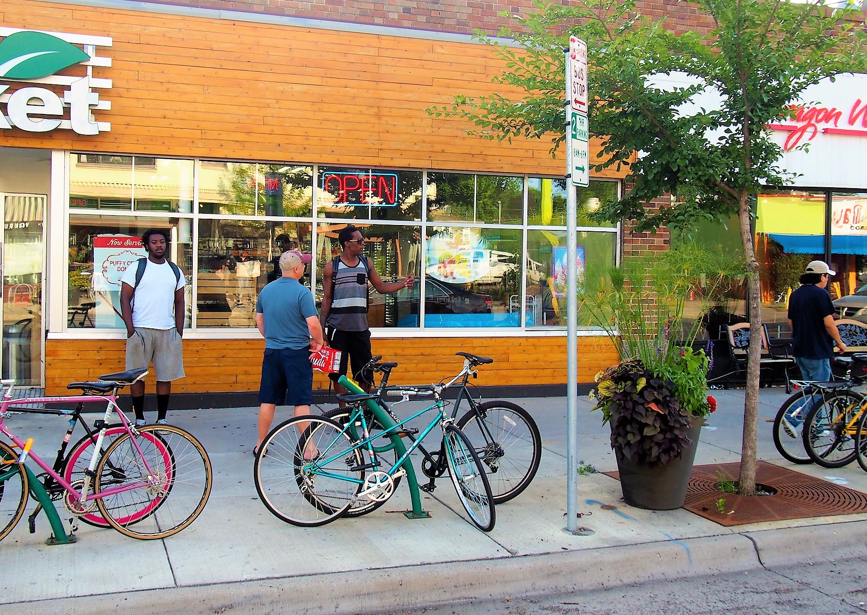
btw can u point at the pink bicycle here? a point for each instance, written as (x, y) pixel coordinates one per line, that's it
(146, 482)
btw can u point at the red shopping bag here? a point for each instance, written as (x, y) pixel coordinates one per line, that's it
(327, 360)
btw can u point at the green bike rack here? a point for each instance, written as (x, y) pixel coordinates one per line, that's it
(60, 537)
(385, 420)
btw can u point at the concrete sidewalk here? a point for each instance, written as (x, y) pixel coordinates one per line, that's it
(239, 558)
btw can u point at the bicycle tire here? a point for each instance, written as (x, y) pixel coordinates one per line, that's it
(825, 436)
(788, 427)
(512, 458)
(173, 475)
(77, 462)
(362, 506)
(14, 491)
(303, 492)
(469, 478)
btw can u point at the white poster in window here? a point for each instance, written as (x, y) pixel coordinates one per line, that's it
(112, 255)
(849, 215)
(458, 256)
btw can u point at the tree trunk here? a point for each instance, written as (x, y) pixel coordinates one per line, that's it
(747, 478)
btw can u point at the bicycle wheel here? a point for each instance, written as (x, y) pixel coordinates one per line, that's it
(383, 446)
(789, 423)
(157, 482)
(827, 438)
(508, 442)
(468, 477)
(861, 442)
(313, 491)
(78, 460)
(14, 491)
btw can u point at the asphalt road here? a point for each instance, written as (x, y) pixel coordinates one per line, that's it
(835, 588)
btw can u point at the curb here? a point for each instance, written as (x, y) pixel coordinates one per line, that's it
(382, 590)
(813, 543)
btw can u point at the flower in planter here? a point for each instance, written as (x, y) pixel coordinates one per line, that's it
(659, 388)
(648, 423)
(711, 402)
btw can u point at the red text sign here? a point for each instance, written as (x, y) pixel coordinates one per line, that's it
(809, 121)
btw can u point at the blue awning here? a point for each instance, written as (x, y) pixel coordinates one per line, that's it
(815, 244)
(800, 244)
(848, 244)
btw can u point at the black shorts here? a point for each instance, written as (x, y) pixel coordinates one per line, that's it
(287, 377)
(355, 346)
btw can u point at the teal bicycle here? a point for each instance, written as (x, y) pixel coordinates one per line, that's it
(310, 470)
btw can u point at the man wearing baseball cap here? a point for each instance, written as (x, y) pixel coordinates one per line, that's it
(286, 317)
(811, 316)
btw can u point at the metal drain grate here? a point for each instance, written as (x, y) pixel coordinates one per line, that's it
(798, 496)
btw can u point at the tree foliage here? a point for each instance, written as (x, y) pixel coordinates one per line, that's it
(758, 56)
(753, 60)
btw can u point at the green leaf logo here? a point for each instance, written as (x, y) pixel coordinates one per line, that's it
(31, 55)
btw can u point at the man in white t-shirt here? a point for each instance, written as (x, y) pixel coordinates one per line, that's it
(153, 310)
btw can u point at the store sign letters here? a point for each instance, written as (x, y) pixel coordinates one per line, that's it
(34, 58)
(809, 121)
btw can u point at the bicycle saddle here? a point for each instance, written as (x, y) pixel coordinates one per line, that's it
(124, 378)
(98, 386)
(475, 359)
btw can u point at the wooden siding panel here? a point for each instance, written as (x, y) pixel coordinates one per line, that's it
(200, 87)
(214, 366)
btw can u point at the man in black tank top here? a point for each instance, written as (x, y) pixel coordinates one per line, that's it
(344, 304)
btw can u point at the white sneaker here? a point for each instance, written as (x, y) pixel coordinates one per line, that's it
(141, 422)
(162, 422)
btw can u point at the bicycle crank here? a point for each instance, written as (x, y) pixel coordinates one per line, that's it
(77, 507)
(378, 487)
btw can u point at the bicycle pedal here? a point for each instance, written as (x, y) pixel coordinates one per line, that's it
(412, 431)
(427, 488)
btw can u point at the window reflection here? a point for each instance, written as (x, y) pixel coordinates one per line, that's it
(255, 189)
(547, 266)
(473, 277)
(100, 250)
(237, 258)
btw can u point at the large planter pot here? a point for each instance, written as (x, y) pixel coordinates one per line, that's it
(660, 487)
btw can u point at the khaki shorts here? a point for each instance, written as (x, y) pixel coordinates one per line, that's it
(162, 346)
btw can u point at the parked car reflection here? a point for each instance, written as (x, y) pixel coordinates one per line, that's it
(854, 305)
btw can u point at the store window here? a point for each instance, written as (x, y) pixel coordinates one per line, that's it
(473, 277)
(790, 232)
(492, 199)
(101, 248)
(849, 254)
(393, 250)
(237, 258)
(369, 194)
(546, 201)
(468, 255)
(142, 183)
(546, 271)
(255, 189)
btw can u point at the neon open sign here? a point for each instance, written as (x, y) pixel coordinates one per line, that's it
(361, 188)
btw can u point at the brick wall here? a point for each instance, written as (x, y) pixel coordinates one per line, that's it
(456, 16)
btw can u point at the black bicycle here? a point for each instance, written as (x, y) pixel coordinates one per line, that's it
(503, 434)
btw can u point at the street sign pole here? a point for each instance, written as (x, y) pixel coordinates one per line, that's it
(578, 166)
(571, 327)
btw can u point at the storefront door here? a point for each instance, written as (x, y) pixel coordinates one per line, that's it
(21, 263)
